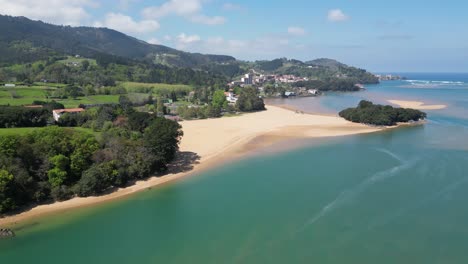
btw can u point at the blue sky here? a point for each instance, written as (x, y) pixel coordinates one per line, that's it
(416, 36)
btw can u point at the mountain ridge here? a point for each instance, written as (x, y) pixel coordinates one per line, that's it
(47, 39)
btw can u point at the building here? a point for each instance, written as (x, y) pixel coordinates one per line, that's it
(313, 91)
(57, 113)
(248, 79)
(10, 85)
(230, 97)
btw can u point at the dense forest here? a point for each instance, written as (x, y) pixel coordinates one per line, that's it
(23, 40)
(373, 114)
(55, 163)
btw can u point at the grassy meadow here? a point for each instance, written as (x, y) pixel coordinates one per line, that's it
(25, 95)
(26, 130)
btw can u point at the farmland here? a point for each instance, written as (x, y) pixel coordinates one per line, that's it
(26, 95)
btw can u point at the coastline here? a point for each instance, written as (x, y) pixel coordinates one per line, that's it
(417, 105)
(214, 142)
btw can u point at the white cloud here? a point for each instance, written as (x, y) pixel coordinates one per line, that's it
(262, 47)
(125, 4)
(233, 7)
(336, 15)
(177, 7)
(127, 25)
(154, 41)
(71, 12)
(202, 19)
(187, 39)
(189, 9)
(297, 31)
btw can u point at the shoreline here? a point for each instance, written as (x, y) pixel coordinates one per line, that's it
(417, 105)
(215, 142)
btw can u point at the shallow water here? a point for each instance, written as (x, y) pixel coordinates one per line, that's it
(397, 196)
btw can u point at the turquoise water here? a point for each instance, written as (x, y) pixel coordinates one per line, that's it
(399, 196)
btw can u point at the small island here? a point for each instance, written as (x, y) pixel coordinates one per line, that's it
(381, 115)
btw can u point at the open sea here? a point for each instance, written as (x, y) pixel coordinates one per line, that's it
(398, 196)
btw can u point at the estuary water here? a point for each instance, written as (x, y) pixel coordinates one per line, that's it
(398, 196)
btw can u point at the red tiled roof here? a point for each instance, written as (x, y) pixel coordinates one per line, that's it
(69, 110)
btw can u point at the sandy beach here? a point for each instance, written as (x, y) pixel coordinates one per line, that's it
(214, 141)
(416, 105)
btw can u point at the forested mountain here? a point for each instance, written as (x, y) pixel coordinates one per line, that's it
(319, 69)
(24, 40)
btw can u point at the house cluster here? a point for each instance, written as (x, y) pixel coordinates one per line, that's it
(302, 91)
(254, 78)
(388, 77)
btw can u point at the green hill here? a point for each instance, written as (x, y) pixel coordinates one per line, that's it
(24, 40)
(319, 69)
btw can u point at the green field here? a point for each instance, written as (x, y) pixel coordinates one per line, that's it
(93, 99)
(25, 95)
(26, 130)
(156, 88)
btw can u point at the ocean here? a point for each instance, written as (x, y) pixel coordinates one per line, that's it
(398, 196)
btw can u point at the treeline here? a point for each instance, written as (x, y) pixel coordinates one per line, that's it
(106, 71)
(18, 116)
(54, 163)
(331, 84)
(373, 114)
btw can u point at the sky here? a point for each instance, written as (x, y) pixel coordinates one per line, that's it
(381, 36)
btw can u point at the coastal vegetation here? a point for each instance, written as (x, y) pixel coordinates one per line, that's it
(333, 84)
(55, 163)
(373, 114)
(250, 101)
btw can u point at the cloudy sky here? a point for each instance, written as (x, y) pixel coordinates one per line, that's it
(378, 35)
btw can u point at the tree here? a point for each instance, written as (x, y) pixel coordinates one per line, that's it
(84, 146)
(58, 174)
(249, 100)
(125, 103)
(162, 138)
(138, 121)
(219, 100)
(6, 199)
(160, 108)
(212, 111)
(85, 65)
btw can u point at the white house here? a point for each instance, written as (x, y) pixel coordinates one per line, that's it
(57, 113)
(313, 91)
(230, 97)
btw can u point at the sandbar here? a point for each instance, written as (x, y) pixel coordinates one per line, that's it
(417, 105)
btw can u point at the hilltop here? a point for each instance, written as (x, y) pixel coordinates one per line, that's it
(318, 69)
(23, 40)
